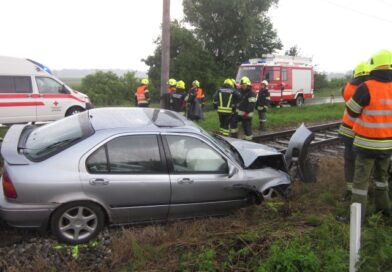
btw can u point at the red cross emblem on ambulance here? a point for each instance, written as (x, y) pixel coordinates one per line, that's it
(55, 103)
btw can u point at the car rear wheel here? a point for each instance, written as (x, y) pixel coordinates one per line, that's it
(73, 110)
(77, 222)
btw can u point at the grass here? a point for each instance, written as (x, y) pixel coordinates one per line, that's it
(327, 92)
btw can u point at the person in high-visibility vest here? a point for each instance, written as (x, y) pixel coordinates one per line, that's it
(361, 74)
(142, 96)
(262, 103)
(199, 93)
(371, 104)
(245, 110)
(177, 100)
(224, 101)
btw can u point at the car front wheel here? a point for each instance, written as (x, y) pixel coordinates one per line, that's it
(77, 222)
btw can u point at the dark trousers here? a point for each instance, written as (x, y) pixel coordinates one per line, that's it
(224, 122)
(262, 119)
(363, 169)
(246, 125)
(349, 163)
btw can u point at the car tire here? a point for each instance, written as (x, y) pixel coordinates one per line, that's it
(77, 222)
(73, 110)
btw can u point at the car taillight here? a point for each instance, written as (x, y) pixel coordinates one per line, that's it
(8, 187)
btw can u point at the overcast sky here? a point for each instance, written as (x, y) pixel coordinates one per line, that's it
(102, 34)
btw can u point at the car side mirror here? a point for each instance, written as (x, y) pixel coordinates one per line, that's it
(232, 170)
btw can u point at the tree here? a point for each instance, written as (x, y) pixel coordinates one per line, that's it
(189, 61)
(293, 51)
(106, 88)
(233, 30)
(320, 80)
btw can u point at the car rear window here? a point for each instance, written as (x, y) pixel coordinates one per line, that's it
(48, 140)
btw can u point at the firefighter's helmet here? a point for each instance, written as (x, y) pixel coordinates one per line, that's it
(196, 83)
(228, 82)
(234, 82)
(265, 82)
(382, 60)
(172, 82)
(180, 84)
(362, 69)
(245, 81)
(144, 81)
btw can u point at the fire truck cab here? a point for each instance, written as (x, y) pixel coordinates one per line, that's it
(290, 78)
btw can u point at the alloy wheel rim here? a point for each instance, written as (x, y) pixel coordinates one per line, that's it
(78, 223)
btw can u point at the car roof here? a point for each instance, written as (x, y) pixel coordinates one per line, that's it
(141, 119)
(19, 66)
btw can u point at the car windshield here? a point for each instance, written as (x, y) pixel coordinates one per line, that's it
(45, 141)
(225, 146)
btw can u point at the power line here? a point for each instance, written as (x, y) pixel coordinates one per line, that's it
(358, 11)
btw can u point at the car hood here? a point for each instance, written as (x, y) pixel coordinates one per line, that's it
(250, 151)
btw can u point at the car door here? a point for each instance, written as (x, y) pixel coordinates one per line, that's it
(51, 94)
(199, 176)
(17, 101)
(128, 175)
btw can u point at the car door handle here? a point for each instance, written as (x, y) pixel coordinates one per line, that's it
(185, 180)
(99, 181)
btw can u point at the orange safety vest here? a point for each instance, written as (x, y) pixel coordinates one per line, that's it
(140, 95)
(373, 128)
(171, 89)
(348, 121)
(200, 94)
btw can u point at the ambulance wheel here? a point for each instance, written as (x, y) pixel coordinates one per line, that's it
(73, 110)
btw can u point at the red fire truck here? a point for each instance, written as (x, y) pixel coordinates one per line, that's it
(290, 78)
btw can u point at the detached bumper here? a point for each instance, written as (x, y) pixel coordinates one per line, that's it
(25, 215)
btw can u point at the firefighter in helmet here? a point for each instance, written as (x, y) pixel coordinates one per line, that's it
(142, 96)
(193, 106)
(199, 93)
(177, 100)
(361, 74)
(371, 105)
(262, 103)
(224, 101)
(167, 97)
(245, 110)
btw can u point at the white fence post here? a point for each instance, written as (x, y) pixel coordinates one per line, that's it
(355, 235)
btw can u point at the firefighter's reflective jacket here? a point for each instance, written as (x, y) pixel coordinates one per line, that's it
(142, 95)
(263, 100)
(247, 103)
(372, 105)
(348, 121)
(177, 100)
(226, 99)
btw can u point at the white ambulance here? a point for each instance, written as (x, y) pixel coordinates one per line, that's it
(30, 93)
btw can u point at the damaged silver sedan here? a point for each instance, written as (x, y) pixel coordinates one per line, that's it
(128, 165)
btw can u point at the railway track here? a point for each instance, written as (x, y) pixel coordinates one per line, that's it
(324, 135)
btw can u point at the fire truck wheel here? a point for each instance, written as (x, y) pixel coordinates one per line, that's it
(299, 101)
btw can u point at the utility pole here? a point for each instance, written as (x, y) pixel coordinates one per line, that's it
(165, 47)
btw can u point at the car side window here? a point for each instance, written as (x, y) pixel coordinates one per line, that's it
(48, 85)
(191, 155)
(15, 84)
(136, 154)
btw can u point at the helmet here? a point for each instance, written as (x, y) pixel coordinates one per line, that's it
(181, 84)
(245, 81)
(362, 69)
(234, 82)
(265, 82)
(144, 81)
(196, 83)
(382, 60)
(228, 82)
(172, 82)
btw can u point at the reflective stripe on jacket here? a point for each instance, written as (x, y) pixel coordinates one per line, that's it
(225, 108)
(373, 127)
(348, 121)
